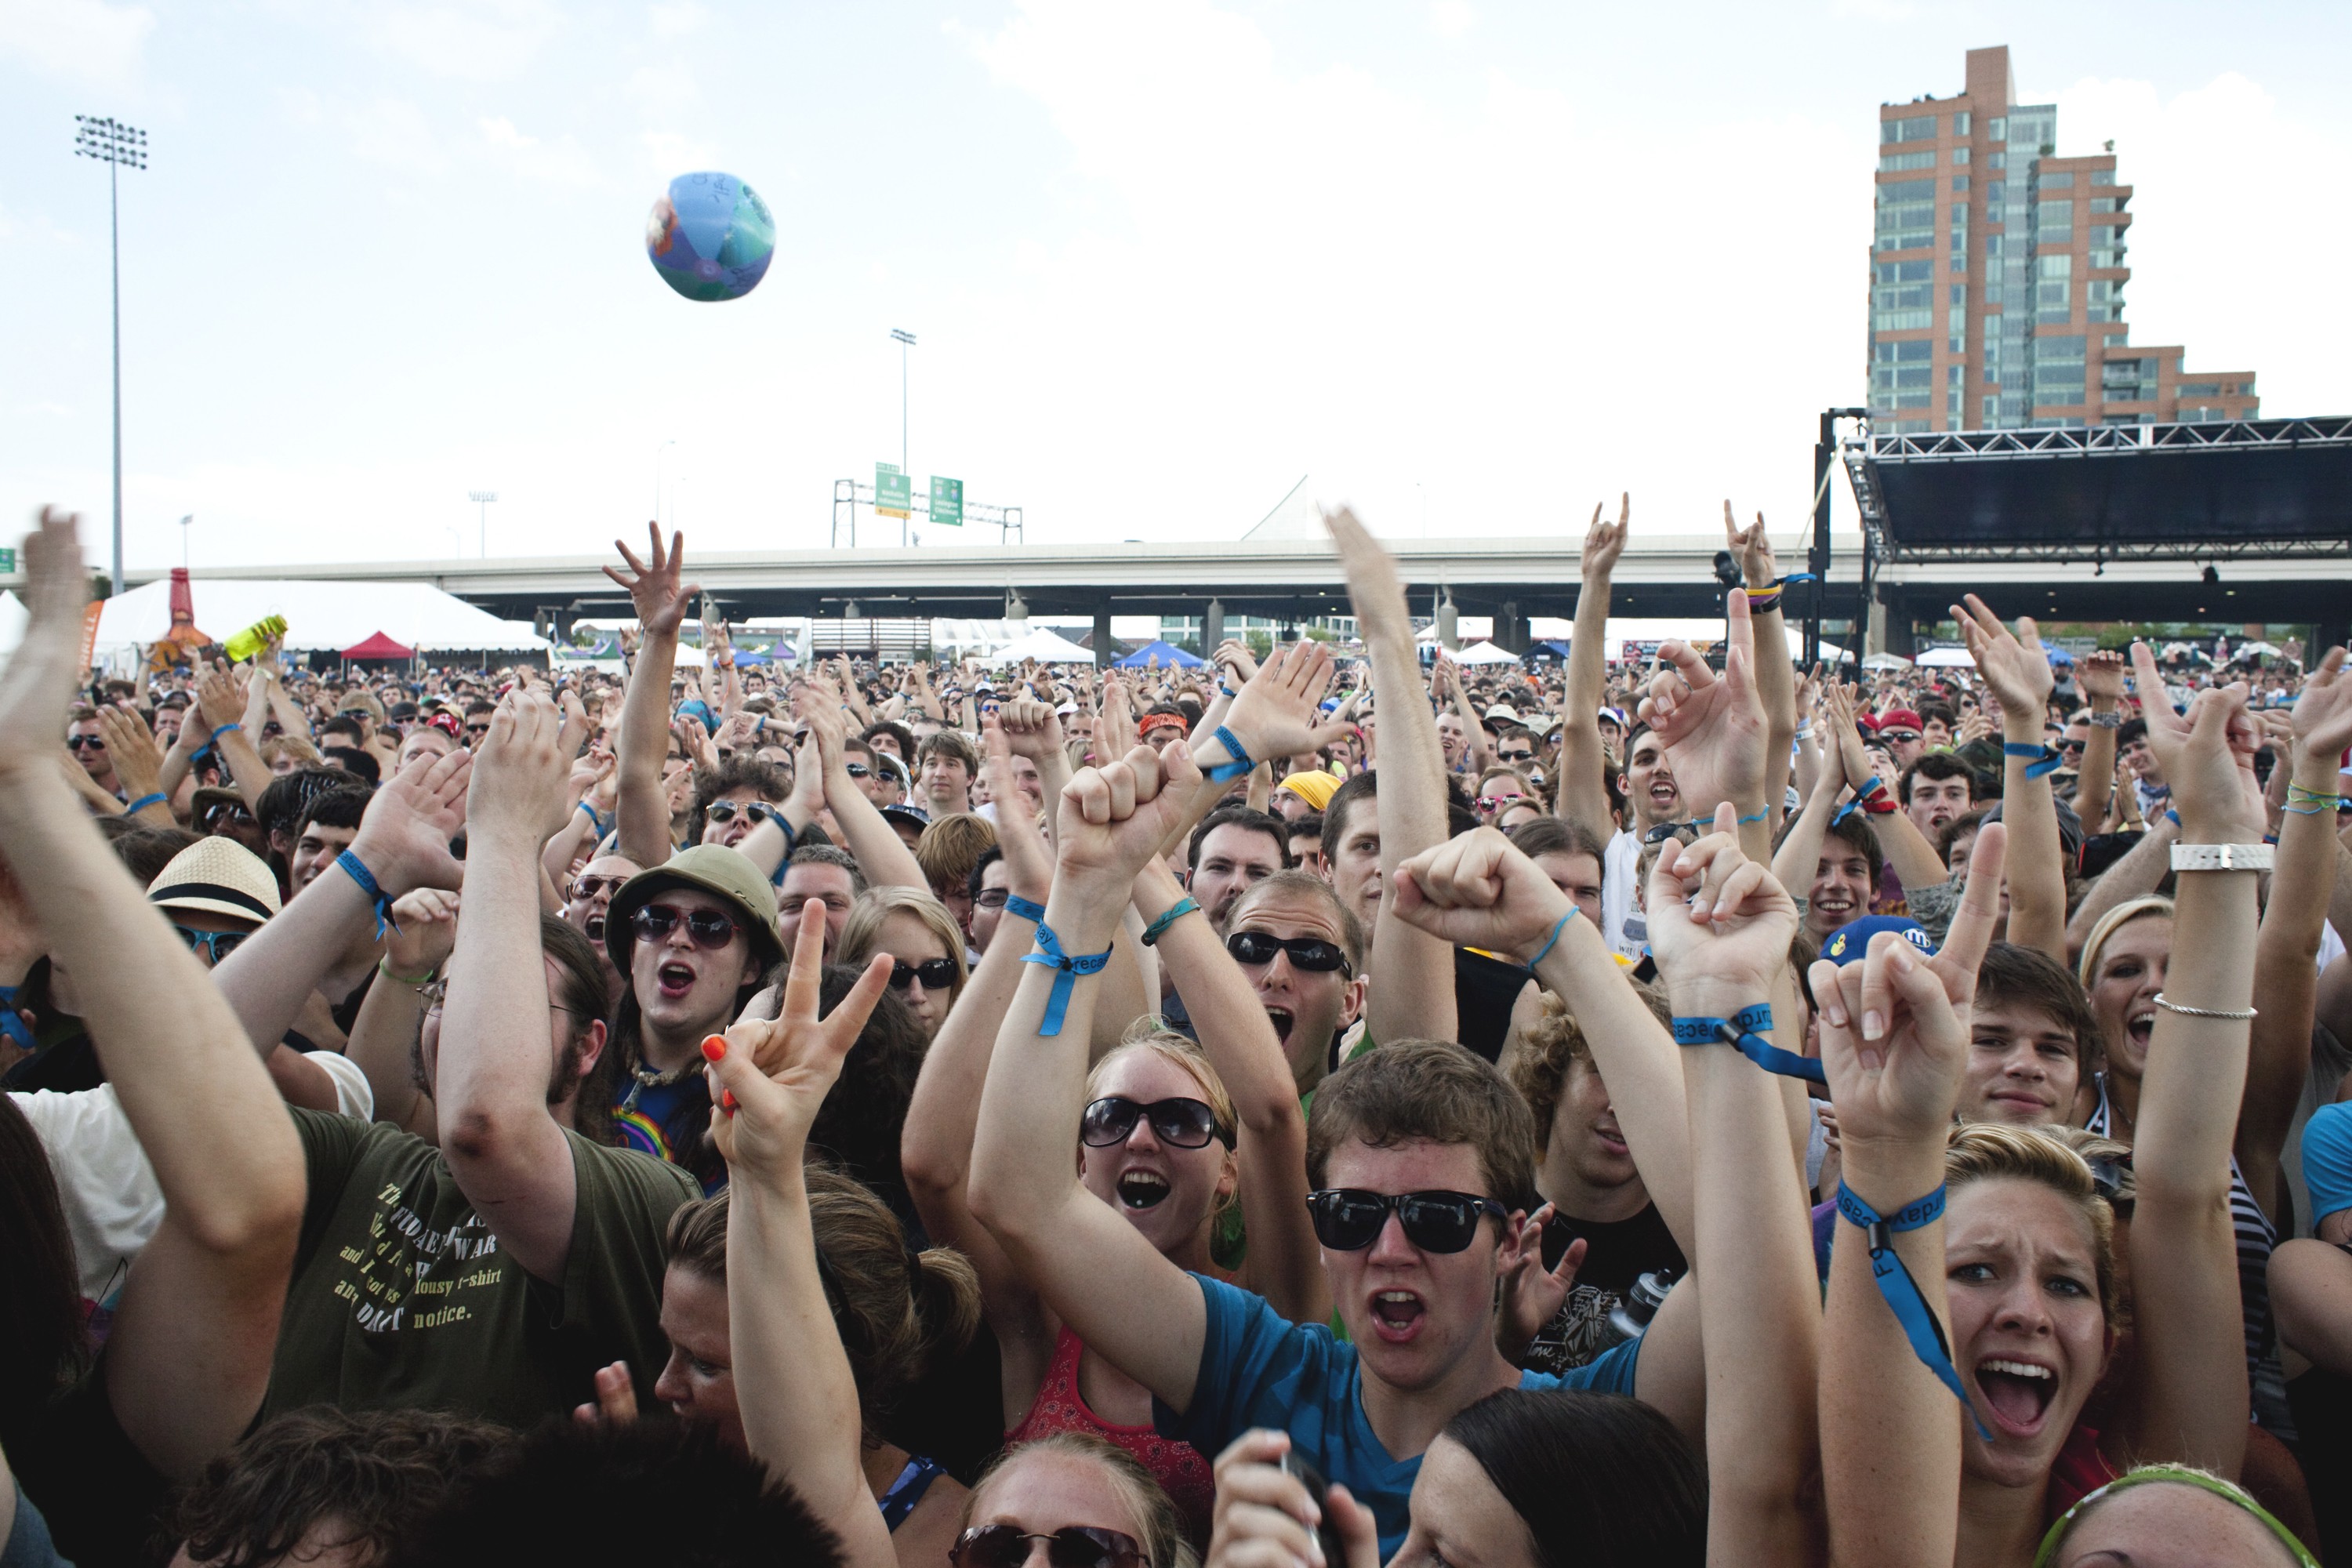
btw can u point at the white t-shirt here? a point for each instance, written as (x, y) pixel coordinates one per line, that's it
(107, 1189)
(1620, 918)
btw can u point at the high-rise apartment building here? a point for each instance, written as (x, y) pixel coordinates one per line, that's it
(1997, 277)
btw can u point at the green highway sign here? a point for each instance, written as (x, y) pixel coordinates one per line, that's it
(7, 559)
(894, 492)
(947, 502)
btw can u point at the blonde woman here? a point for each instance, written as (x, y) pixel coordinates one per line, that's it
(925, 948)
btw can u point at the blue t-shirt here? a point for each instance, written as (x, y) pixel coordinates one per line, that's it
(1258, 1368)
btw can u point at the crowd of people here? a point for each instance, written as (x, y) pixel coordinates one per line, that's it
(1324, 1107)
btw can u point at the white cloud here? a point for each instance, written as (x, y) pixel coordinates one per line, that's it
(484, 40)
(394, 133)
(561, 163)
(83, 40)
(677, 18)
(1450, 18)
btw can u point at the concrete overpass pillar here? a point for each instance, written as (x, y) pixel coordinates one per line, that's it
(1512, 633)
(1105, 650)
(1213, 627)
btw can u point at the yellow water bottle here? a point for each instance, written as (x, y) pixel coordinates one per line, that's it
(256, 636)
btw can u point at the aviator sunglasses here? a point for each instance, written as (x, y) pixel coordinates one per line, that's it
(1180, 1124)
(1349, 1219)
(723, 812)
(706, 929)
(1077, 1546)
(1307, 953)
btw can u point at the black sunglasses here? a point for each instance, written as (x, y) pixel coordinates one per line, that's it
(858, 770)
(85, 743)
(1077, 1546)
(224, 812)
(1307, 953)
(1675, 830)
(1182, 1123)
(1516, 756)
(936, 974)
(1897, 737)
(2073, 745)
(215, 945)
(723, 812)
(586, 888)
(1349, 1219)
(705, 928)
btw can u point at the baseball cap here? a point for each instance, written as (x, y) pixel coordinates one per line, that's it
(914, 813)
(1850, 941)
(1315, 787)
(1503, 714)
(723, 873)
(1615, 716)
(1900, 718)
(220, 877)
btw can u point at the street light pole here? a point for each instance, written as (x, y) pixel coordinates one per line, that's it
(183, 540)
(905, 340)
(483, 499)
(114, 144)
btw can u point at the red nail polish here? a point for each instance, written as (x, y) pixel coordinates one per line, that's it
(727, 1101)
(714, 1046)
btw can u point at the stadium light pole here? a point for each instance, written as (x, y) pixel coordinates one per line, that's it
(114, 143)
(183, 540)
(483, 498)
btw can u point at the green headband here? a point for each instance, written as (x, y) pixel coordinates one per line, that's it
(2145, 1474)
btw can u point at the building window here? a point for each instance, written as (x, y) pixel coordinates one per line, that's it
(2104, 204)
(1894, 162)
(1997, 128)
(1960, 123)
(2057, 182)
(1997, 160)
(1905, 271)
(1960, 154)
(2103, 176)
(2058, 266)
(1919, 128)
(2197, 389)
(1959, 184)
(1906, 191)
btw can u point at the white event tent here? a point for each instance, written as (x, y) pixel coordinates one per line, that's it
(1484, 653)
(320, 616)
(1043, 644)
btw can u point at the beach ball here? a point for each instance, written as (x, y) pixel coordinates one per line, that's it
(711, 237)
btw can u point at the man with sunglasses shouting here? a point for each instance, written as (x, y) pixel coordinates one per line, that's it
(1421, 1157)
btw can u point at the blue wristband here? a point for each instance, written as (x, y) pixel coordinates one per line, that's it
(2045, 758)
(145, 801)
(1169, 917)
(1057, 1001)
(213, 739)
(1027, 909)
(1240, 763)
(594, 820)
(13, 1026)
(1738, 1031)
(377, 895)
(1902, 1291)
(1553, 941)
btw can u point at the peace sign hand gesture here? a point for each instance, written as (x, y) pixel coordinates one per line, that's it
(769, 1076)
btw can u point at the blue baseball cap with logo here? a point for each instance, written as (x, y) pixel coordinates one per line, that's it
(1850, 941)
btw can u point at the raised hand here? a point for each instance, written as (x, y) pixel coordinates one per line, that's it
(2016, 668)
(1279, 712)
(1031, 730)
(1028, 860)
(2101, 676)
(1895, 1028)
(2323, 713)
(1759, 567)
(1837, 703)
(1114, 817)
(1373, 586)
(1713, 727)
(1605, 542)
(1713, 911)
(1532, 1294)
(47, 666)
(220, 696)
(1115, 731)
(518, 775)
(2198, 751)
(661, 600)
(138, 759)
(424, 931)
(1480, 890)
(616, 1404)
(1234, 654)
(769, 1076)
(403, 838)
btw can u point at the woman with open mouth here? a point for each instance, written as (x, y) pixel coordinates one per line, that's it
(2005, 1233)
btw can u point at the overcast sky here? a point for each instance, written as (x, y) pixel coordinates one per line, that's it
(1472, 265)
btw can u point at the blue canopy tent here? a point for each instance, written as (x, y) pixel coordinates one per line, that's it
(1169, 655)
(1552, 646)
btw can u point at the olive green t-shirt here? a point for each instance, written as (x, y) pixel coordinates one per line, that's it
(402, 1296)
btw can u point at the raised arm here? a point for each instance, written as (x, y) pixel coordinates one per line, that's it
(1284, 1265)
(509, 1157)
(139, 763)
(2286, 975)
(2142, 867)
(1799, 854)
(220, 700)
(1473, 730)
(1411, 994)
(792, 1380)
(2018, 670)
(881, 854)
(188, 1357)
(1714, 729)
(1890, 1447)
(383, 1036)
(2191, 1360)
(642, 810)
(1095, 1270)
(1584, 791)
(1776, 673)
(2101, 678)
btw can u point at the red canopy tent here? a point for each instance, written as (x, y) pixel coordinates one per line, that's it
(378, 647)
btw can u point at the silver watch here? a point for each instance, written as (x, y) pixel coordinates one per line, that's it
(2223, 856)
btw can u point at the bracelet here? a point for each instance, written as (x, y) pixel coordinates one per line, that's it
(1872, 787)
(2234, 1014)
(415, 983)
(1902, 1291)
(2322, 808)
(213, 739)
(2045, 758)
(145, 801)
(2223, 856)
(1240, 763)
(377, 895)
(2114, 721)
(594, 820)
(1762, 599)
(1050, 954)
(1738, 1031)
(1027, 909)
(2172, 816)
(1553, 941)
(1169, 917)
(2327, 798)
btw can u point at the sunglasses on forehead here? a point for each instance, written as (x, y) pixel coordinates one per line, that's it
(1350, 1219)
(1077, 1546)
(1181, 1122)
(1308, 953)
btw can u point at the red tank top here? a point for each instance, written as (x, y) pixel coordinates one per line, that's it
(2080, 1469)
(1178, 1468)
